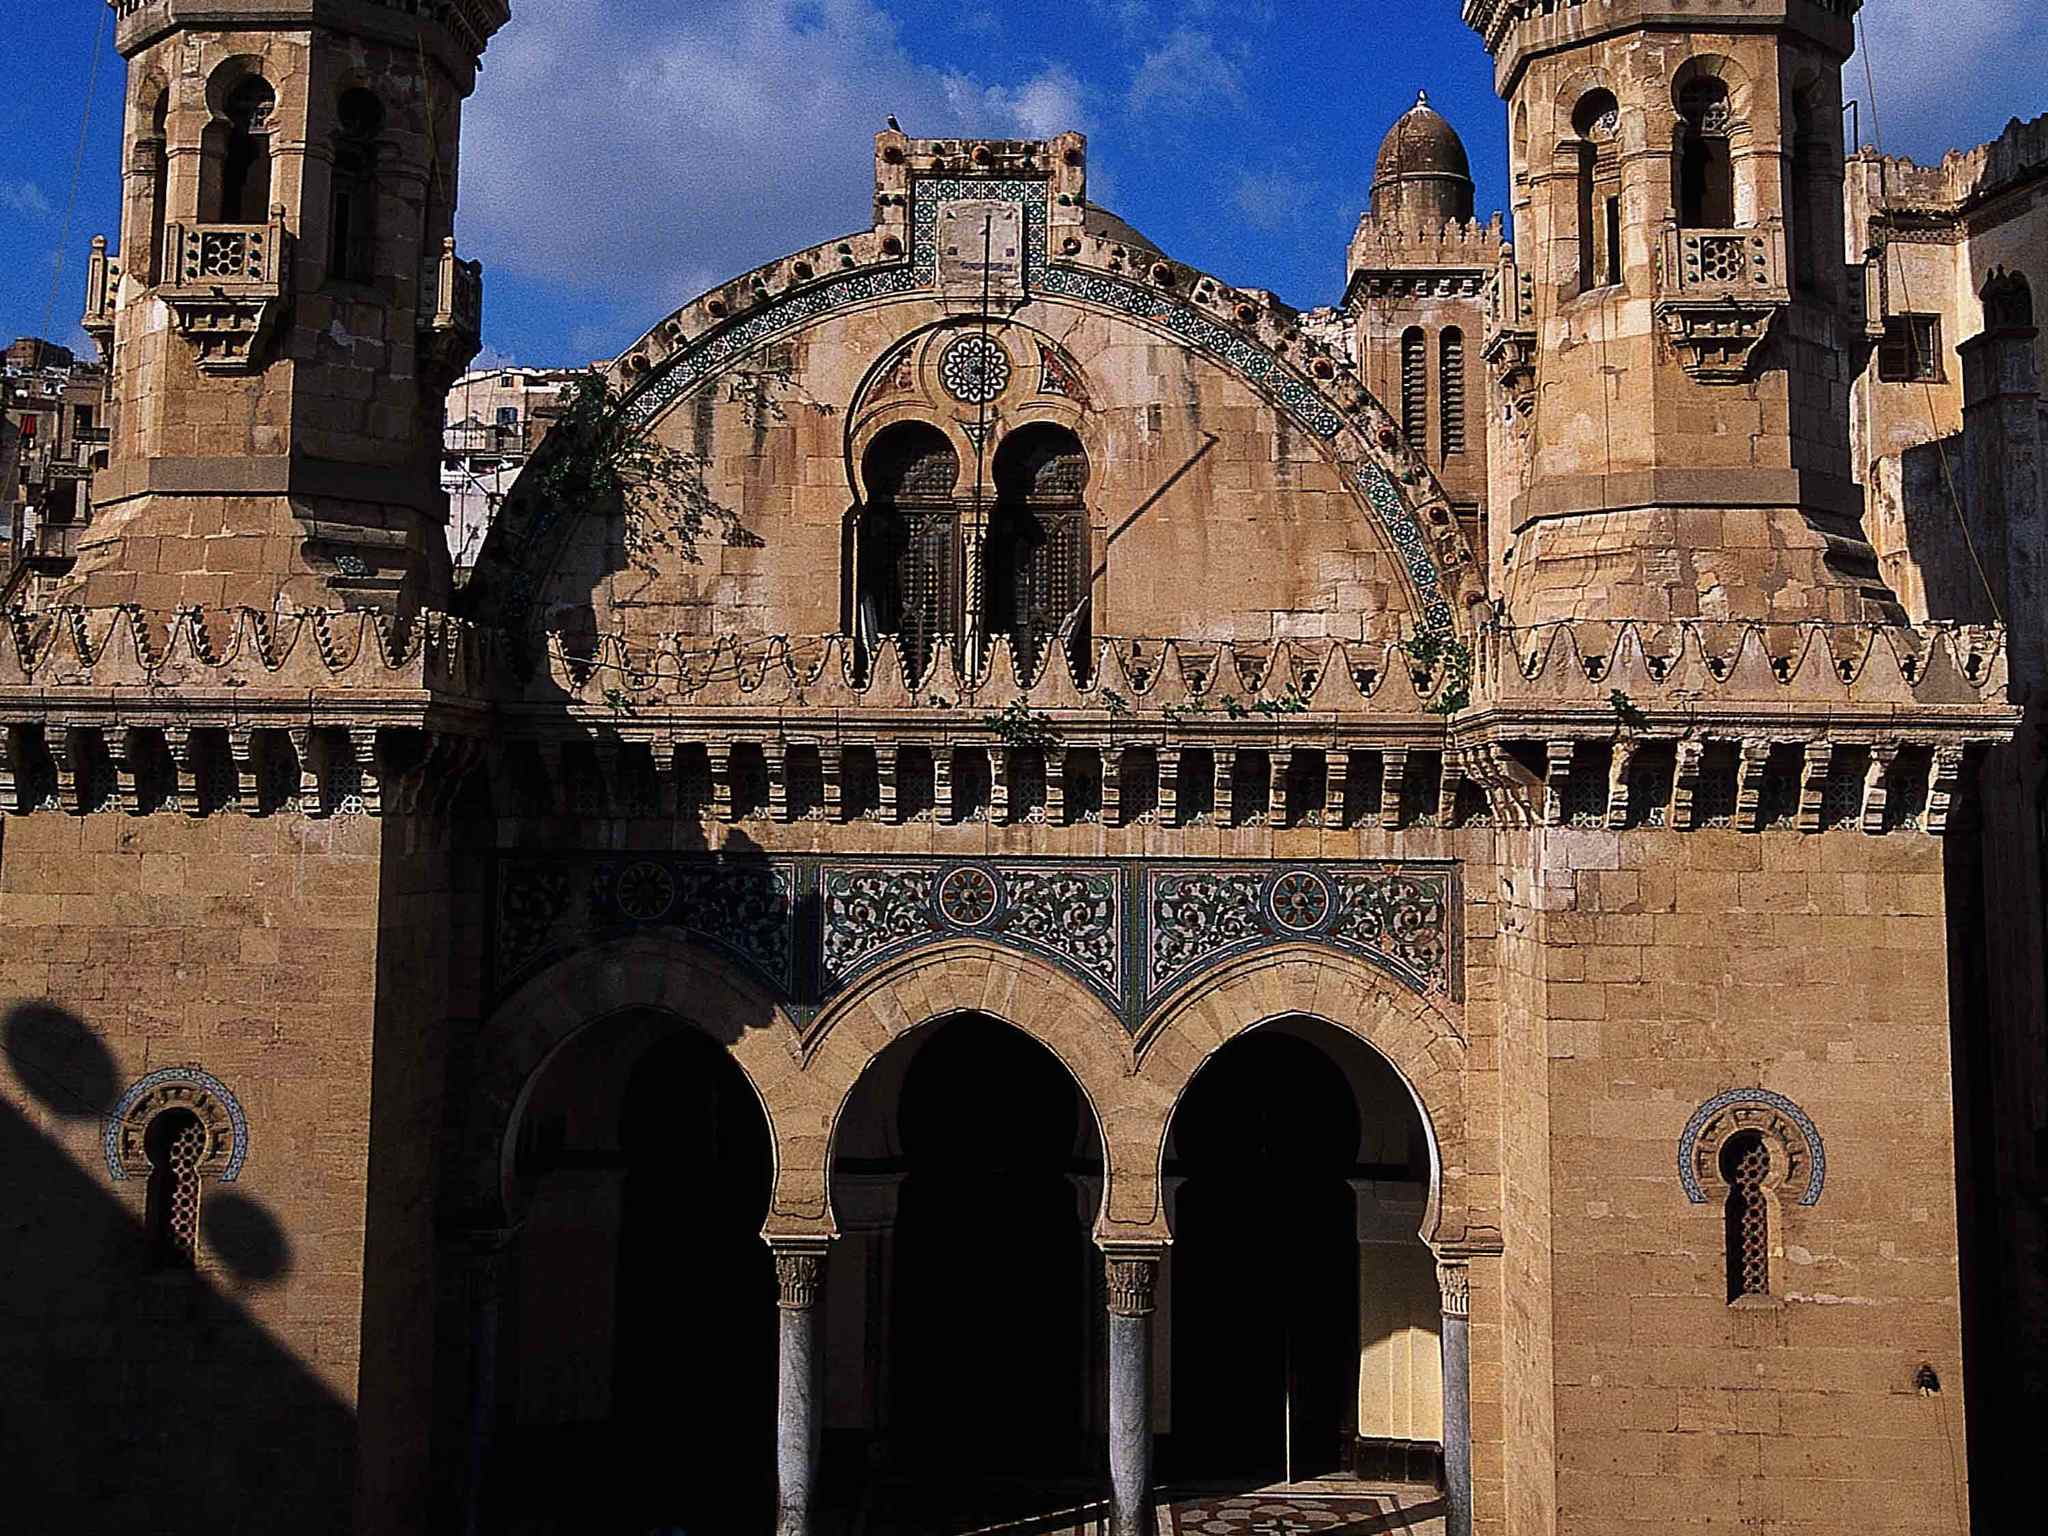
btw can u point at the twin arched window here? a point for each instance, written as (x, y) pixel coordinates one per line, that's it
(1450, 390)
(928, 566)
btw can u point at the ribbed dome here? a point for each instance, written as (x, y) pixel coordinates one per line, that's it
(1422, 170)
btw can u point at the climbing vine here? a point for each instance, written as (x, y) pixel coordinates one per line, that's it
(1449, 659)
(601, 463)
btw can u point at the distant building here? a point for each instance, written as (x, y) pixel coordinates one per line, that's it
(55, 437)
(496, 417)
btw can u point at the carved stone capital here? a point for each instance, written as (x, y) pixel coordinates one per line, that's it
(1133, 1276)
(799, 1273)
(1454, 1284)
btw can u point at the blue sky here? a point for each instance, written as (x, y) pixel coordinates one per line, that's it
(620, 156)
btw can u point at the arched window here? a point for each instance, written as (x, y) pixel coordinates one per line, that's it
(1745, 1162)
(1597, 123)
(907, 552)
(352, 216)
(1037, 551)
(155, 148)
(174, 1143)
(245, 163)
(1451, 390)
(1415, 388)
(1706, 171)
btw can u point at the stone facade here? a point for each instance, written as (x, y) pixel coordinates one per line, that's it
(1047, 899)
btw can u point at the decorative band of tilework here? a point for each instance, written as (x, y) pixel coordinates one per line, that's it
(1132, 931)
(203, 1095)
(1407, 535)
(1771, 1115)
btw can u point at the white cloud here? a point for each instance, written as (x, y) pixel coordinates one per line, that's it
(647, 152)
(1948, 76)
(1271, 199)
(1187, 73)
(24, 198)
(1042, 106)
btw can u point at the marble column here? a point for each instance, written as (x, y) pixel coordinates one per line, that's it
(1133, 1277)
(485, 1264)
(1454, 1280)
(799, 1398)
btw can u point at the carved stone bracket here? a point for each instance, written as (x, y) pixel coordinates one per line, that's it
(1717, 340)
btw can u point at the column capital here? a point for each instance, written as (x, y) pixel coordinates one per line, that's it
(1454, 1283)
(1133, 1274)
(799, 1270)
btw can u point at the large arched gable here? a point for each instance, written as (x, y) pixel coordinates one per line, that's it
(1063, 270)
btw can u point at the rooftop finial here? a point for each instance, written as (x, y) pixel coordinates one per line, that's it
(1422, 98)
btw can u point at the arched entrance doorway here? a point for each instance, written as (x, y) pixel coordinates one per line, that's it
(1301, 1306)
(966, 1173)
(641, 1359)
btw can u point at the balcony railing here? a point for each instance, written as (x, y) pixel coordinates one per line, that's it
(102, 280)
(1711, 262)
(239, 257)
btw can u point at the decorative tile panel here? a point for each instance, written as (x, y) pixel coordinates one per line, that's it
(1133, 931)
(1395, 916)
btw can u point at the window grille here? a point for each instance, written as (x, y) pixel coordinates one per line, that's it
(175, 1142)
(1745, 1163)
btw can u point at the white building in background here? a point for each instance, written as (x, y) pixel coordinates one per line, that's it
(495, 419)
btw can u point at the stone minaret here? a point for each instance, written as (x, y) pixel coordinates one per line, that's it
(1419, 266)
(1675, 333)
(288, 307)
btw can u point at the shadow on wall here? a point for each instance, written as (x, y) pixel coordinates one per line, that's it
(140, 1395)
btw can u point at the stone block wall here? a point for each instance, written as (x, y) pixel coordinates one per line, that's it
(280, 955)
(1679, 966)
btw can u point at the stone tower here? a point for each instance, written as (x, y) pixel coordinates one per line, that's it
(289, 307)
(1676, 331)
(1419, 265)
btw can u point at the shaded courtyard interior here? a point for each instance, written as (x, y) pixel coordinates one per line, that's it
(965, 1352)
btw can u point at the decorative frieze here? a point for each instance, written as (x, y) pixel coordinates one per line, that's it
(1133, 931)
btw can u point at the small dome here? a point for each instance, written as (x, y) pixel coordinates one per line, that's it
(1422, 167)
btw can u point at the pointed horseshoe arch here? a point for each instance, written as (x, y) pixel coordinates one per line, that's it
(1422, 1041)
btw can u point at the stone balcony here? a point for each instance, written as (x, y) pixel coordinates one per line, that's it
(1718, 293)
(451, 315)
(225, 285)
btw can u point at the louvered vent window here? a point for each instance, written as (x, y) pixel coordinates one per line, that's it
(1451, 381)
(1415, 390)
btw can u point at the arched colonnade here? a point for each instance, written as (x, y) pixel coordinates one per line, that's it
(808, 1085)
